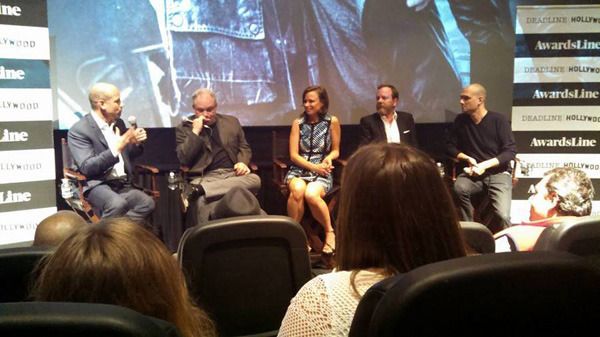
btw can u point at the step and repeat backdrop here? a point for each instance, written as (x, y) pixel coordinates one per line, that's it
(27, 173)
(556, 100)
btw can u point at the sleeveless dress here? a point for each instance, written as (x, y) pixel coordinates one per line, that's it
(315, 144)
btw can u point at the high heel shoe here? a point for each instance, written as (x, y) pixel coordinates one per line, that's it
(328, 247)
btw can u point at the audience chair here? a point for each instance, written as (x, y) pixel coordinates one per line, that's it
(17, 271)
(478, 237)
(143, 178)
(245, 270)
(59, 319)
(506, 294)
(281, 164)
(579, 236)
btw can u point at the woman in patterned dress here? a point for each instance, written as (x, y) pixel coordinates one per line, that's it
(314, 144)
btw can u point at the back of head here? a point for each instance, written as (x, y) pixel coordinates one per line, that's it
(574, 190)
(54, 229)
(395, 211)
(116, 261)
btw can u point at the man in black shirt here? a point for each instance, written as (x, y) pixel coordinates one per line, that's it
(215, 149)
(483, 142)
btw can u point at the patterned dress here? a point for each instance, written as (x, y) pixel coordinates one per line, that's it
(315, 144)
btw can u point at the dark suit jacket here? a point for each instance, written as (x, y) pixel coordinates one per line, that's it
(372, 129)
(196, 152)
(91, 153)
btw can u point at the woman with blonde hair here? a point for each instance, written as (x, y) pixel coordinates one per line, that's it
(116, 261)
(395, 214)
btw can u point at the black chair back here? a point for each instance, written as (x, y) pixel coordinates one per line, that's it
(245, 270)
(579, 236)
(57, 319)
(534, 293)
(478, 237)
(16, 271)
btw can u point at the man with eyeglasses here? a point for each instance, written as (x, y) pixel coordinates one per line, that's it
(103, 149)
(563, 192)
(215, 150)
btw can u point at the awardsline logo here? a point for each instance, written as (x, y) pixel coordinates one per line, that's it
(568, 45)
(563, 142)
(11, 74)
(9, 10)
(567, 93)
(14, 136)
(10, 197)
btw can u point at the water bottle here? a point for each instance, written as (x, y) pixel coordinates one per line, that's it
(172, 181)
(440, 168)
(65, 189)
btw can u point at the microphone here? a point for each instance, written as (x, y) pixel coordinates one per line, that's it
(133, 121)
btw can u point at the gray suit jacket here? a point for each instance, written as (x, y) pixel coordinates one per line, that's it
(91, 153)
(372, 129)
(195, 151)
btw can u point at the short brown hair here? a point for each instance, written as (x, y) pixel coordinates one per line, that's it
(116, 261)
(395, 211)
(395, 93)
(323, 97)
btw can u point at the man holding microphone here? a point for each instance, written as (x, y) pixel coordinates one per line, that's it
(103, 149)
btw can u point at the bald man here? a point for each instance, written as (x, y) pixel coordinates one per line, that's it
(55, 228)
(482, 141)
(103, 150)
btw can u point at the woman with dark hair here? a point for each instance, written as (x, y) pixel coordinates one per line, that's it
(314, 144)
(395, 214)
(116, 261)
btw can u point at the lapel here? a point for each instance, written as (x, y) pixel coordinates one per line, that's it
(379, 126)
(95, 129)
(222, 131)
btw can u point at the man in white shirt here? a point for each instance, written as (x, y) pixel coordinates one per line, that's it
(387, 124)
(103, 150)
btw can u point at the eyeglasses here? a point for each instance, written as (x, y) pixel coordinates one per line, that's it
(209, 109)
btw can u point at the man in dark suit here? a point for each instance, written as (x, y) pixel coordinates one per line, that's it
(387, 124)
(103, 149)
(215, 149)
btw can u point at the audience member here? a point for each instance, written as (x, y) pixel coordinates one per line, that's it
(118, 262)
(387, 124)
(215, 149)
(314, 144)
(563, 192)
(51, 231)
(395, 214)
(482, 140)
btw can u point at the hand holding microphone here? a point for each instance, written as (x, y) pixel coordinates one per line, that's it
(139, 134)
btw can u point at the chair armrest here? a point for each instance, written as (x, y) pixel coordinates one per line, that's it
(72, 174)
(280, 164)
(146, 168)
(341, 162)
